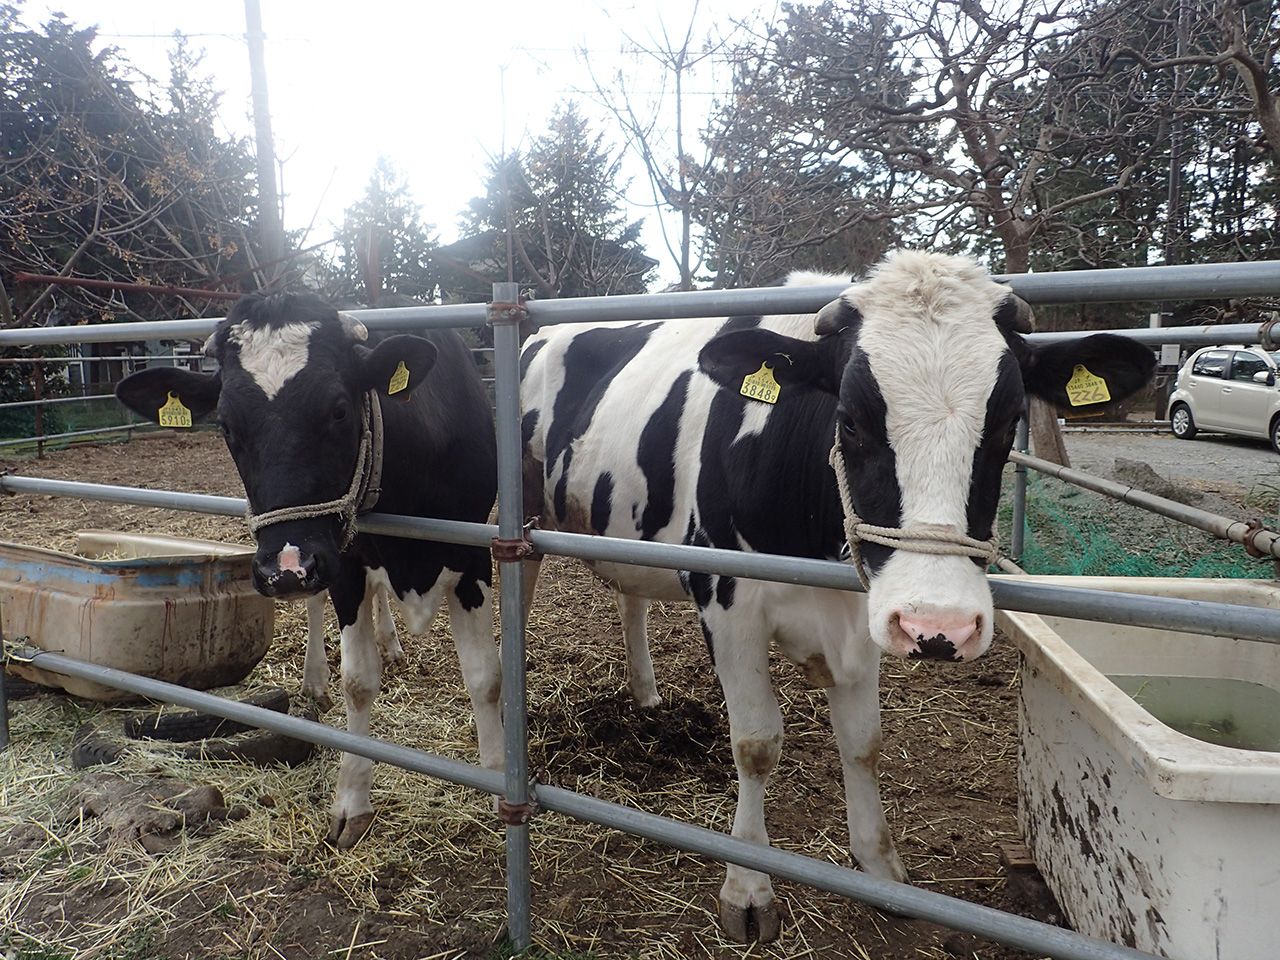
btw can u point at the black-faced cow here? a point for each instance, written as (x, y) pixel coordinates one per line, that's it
(724, 434)
(324, 421)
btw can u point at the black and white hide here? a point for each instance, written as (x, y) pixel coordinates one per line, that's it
(324, 421)
(722, 434)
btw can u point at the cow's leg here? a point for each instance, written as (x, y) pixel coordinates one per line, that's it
(531, 570)
(472, 627)
(855, 716)
(740, 646)
(634, 612)
(352, 811)
(384, 627)
(315, 665)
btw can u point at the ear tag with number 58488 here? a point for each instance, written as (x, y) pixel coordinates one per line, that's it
(761, 385)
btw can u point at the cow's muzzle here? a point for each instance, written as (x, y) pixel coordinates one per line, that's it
(287, 574)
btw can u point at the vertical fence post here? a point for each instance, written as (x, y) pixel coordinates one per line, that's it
(37, 388)
(505, 313)
(1021, 443)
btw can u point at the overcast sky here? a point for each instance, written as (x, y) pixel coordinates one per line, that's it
(436, 87)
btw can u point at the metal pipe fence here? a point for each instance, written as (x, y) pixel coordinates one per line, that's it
(1052, 600)
(1011, 930)
(1143, 284)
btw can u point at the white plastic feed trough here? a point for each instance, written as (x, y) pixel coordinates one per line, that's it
(1149, 774)
(171, 608)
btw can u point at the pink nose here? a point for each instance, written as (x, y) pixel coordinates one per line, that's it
(937, 638)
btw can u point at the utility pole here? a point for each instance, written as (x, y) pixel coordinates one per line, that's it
(269, 219)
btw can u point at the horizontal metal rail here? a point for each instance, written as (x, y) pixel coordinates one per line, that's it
(1206, 281)
(53, 401)
(1041, 939)
(1237, 531)
(71, 435)
(1162, 613)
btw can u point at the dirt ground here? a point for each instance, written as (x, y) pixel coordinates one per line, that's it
(429, 880)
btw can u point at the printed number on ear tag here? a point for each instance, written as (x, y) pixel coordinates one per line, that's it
(1084, 388)
(399, 379)
(174, 414)
(761, 385)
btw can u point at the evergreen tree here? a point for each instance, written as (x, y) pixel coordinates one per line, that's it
(383, 245)
(559, 204)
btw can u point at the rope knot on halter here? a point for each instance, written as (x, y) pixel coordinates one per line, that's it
(934, 538)
(362, 493)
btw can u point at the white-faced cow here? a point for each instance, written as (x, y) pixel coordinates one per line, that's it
(323, 421)
(911, 384)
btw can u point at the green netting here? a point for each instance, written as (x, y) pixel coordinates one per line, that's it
(1071, 531)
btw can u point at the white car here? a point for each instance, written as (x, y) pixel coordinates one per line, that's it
(1228, 390)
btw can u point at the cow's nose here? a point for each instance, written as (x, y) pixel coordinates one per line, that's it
(286, 574)
(939, 638)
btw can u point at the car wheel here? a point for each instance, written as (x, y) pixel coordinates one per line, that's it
(1184, 427)
(1275, 434)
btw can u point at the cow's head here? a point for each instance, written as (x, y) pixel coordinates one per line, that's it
(293, 382)
(931, 373)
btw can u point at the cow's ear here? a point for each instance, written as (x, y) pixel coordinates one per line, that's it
(730, 358)
(162, 394)
(395, 366)
(1085, 375)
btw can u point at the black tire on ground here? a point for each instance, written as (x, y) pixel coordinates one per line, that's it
(177, 732)
(1275, 434)
(1182, 423)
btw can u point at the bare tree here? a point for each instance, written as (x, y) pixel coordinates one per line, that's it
(655, 125)
(97, 182)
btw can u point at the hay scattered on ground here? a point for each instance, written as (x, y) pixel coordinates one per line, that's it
(429, 880)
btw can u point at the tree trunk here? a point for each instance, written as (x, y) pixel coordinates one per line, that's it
(1046, 438)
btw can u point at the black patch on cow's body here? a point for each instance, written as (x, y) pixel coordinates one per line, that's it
(527, 356)
(870, 461)
(602, 502)
(656, 457)
(528, 424)
(747, 486)
(594, 357)
(592, 360)
(1004, 407)
(469, 593)
(725, 588)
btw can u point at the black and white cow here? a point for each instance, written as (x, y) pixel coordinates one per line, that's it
(324, 420)
(918, 375)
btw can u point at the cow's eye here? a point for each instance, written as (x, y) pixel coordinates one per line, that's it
(340, 411)
(847, 429)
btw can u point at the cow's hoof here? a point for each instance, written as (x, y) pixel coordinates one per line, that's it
(345, 832)
(745, 924)
(321, 698)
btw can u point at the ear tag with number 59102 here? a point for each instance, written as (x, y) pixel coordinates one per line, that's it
(761, 385)
(1084, 388)
(174, 414)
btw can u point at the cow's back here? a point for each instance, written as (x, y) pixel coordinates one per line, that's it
(628, 438)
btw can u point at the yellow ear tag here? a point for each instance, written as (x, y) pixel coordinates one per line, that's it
(174, 414)
(1084, 388)
(399, 379)
(761, 385)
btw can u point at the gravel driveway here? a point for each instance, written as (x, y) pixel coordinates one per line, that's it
(1234, 469)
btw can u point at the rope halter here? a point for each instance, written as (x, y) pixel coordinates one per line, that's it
(932, 538)
(361, 495)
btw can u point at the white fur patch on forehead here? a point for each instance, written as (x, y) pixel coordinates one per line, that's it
(273, 357)
(930, 338)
